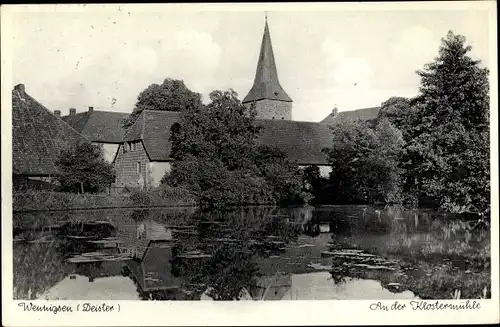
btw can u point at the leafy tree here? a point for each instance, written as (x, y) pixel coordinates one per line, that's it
(399, 112)
(284, 176)
(317, 184)
(365, 162)
(218, 159)
(448, 148)
(171, 95)
(83, 169)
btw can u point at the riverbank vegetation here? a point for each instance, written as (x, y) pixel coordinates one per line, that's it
(430, 150)
(43, 201)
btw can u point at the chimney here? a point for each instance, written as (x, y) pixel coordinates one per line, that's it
(72, 111)
(91, 109)
(335, 111)
(19, 87)
(57, 113)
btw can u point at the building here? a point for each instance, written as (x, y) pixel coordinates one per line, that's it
(144, 156)
(103, 128)
(145, 152)
(38, 136)
(365, 114)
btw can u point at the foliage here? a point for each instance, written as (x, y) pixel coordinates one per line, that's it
(218, 159)
(83, 169)
(365, 162)
(448, 145)
(171, 95)
(399, 112)
(284, 176)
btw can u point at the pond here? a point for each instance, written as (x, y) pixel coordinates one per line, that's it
(252, 253)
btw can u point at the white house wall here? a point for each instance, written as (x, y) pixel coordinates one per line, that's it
(156, 170)
(109, 151)
(323, 170)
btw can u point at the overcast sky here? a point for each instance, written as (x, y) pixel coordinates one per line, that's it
(353, 59)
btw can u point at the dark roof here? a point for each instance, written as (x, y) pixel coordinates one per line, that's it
(98, 125)
(266, 84)
(153, 128)
(37, 136)
(301, 141)
(364, 114)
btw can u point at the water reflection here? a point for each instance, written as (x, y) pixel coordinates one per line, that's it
(254, 253)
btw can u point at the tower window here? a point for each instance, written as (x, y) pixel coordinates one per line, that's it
(273, 117)
(282, 117)
(138, 167)
(275, 93)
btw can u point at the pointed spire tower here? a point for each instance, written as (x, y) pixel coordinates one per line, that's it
(269, 98)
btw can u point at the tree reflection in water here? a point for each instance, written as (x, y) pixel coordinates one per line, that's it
(231, 240)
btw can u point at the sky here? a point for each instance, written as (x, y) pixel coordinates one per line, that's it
(75, 57)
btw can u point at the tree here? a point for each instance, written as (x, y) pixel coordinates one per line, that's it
(83, 169)
(171, 95)
(448, 150)
(317, 184)
(218, 159)
(399, 112)
(365, 162)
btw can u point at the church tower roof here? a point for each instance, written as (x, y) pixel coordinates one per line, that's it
(266, 84)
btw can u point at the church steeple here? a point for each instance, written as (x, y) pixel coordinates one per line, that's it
(266, 85)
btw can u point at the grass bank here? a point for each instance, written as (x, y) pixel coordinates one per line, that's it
(54, 201)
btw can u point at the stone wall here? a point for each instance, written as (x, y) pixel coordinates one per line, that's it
(273, 109)
(126, 166)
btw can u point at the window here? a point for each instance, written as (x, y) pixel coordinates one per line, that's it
(124, 147)
(130, 146)
(139, 167)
